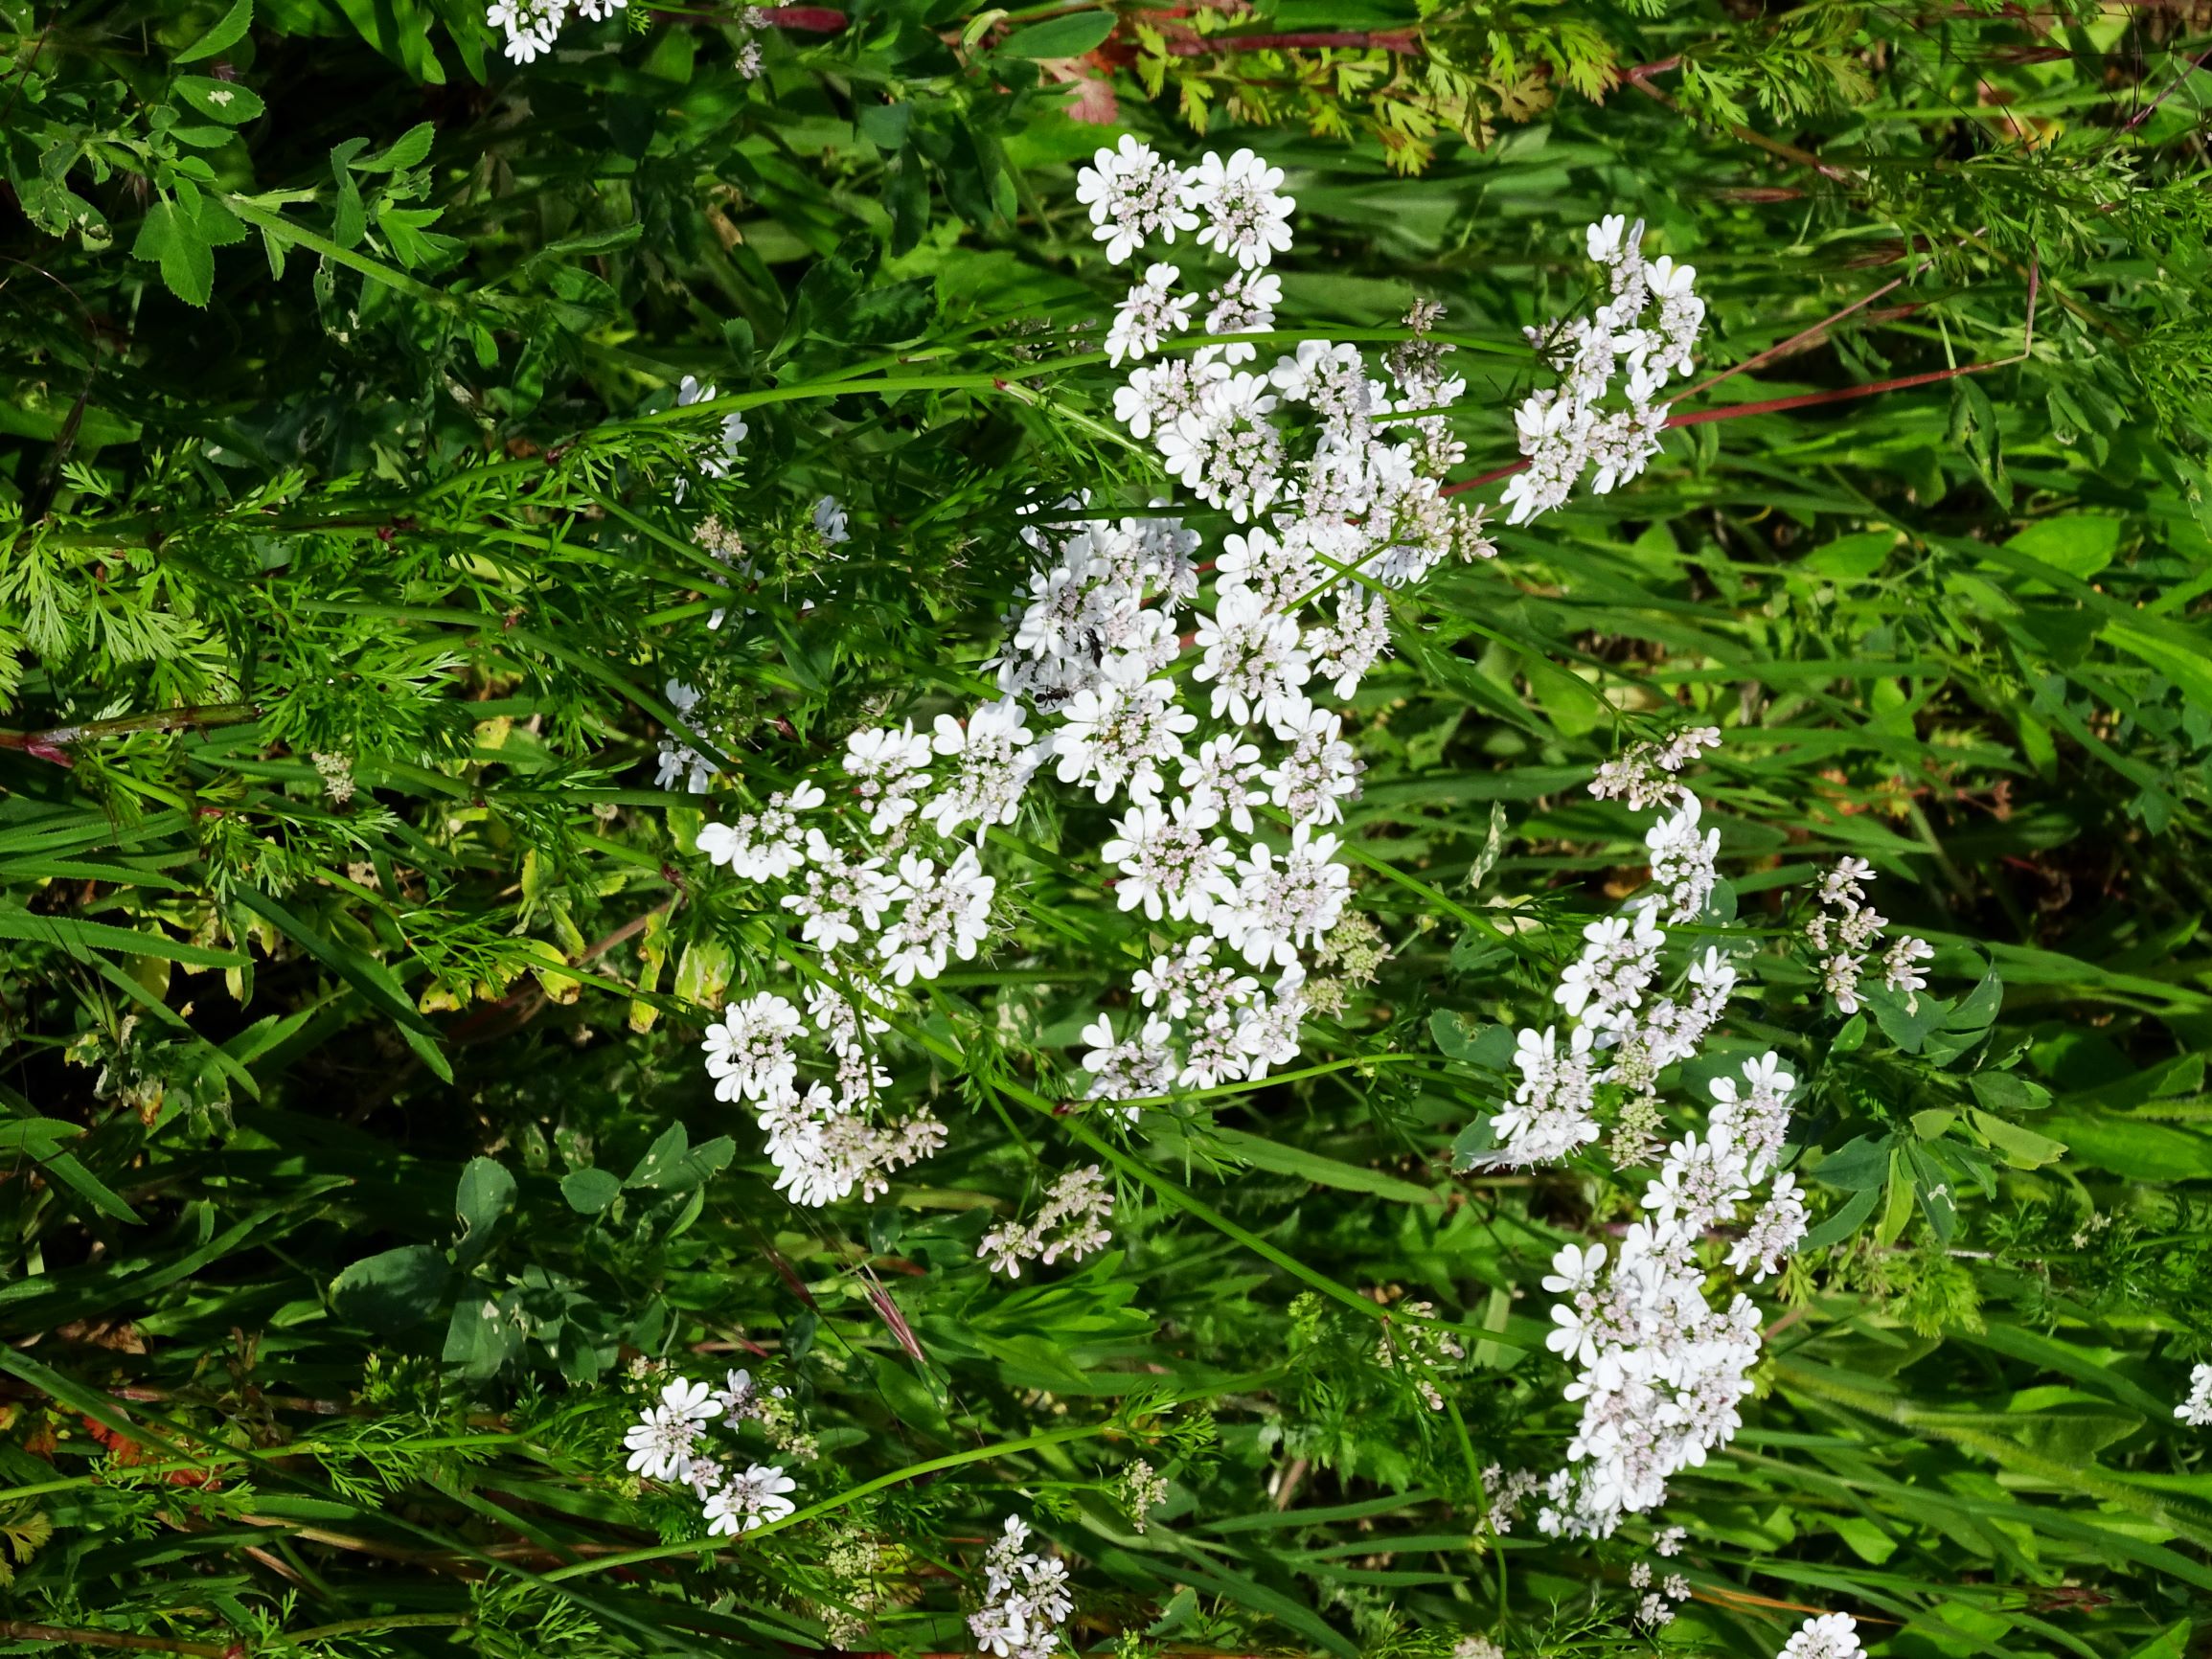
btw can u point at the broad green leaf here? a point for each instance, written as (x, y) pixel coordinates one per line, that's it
(393, 1291)
(485, 1193)
(224, 101)
(1283, 1159)
(80, 938)
(1068, 37)
(588, 1192)
(2022, 1148)
(227, 32)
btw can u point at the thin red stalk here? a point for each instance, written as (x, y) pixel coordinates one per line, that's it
(2143, 115)
(807, 19)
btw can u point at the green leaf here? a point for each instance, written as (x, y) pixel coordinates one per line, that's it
(224, 101)
(480, 1338)
(2022, 1148)
(1068, 36)
(485, 1193)
(393, 1291)
(2008, 1092)
(1845, 1221)
(1858, 1165)
(227, 32)
(588, 1192)
(1281, 1159)
(1479, 1045)
(169, 237)
(80, 938)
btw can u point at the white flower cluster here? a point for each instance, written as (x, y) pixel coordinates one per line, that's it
(1505, 1492)
(666, 1443)
(1567, 430)
(1025, 1598)
(677, 758)
(1826, 1636)
(1845, 940)
(822, 1139)
(1070, 1222)
(1182, 722)
(2197, 1410)
(1660, 1369)
(1657, 1610)
(531, 27)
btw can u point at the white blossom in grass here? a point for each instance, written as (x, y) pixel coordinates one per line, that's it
(764, 846)
(1332, 379)
(1644, 774)
(750, 1051)
(1840, 977)
(1755, 1115)
(1575, 1268)
(1283, 903)
(660, 1443)
(1683, 861)
(1219, 779)
(1773, 1234)
(1700, 1183)
(1268, 1030)
(1619, 958)
(1669, 1540)
(1552, 430)
(1681, 317)
(530, 26)
(1122, 734)
(839, 889)
(1148, 315)
(1071, 1221)
(1277, 572)
(942, 913)
(1228, 451)
(749, 1500)
(1134, 1067)
(1244, 305)
(1900, 967)
(1252, 657)
(738, 1398)
(1245, 218)
(1170, 861)
(829, 521)
(886, 762)
(1476, 1647)
(714, 462)
(1360, 638)
(844, 1024)
(1844, 885)
(1551, 1113)
(1158, 395)
(691, 1399)
(1133, 193)
(1829, 1636)
(1318, 773)
(677, 758)
(998, 756)
(2196, 1409)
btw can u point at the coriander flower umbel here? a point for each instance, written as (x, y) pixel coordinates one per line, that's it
(764, 846)
(1829, 1636)
(1773, 1234)
(1121, 733)
(1283, 903)
(2196, 1409)
(1244, 305)
(944, 912)
(749, 1500)
(1245, 218)
(998, 756)
(885, 763)
(1253, 658)
(1618, 961)
(838, 887)
(1169, 859)
(1129, 1068)
(1148, 315)
(749, 1052)
(1133, 192)
(1228, 451)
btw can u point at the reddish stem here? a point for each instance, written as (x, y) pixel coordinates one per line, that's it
(1402, 40)
(807, 19)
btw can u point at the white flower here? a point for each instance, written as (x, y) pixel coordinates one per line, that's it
(1121, 733)
(998, 756)
(1683, 861)
(1167, 859)
(2197, 1410)
(1829, 1636)
(1253, 657)
(945, 912)
(1141, 1065)
(1132, 193)
(1148, 315)
(1699, 1183)
(1900, 966)
(838, 888)
(749, 1500)
(1551, 1111)
(764, 846)
(1158, 395)
(1218, 780)
(1360, 638)
(1618, 961)
(660, 1443)
(1227, 451)
(529, 25)
(1773, 1234)
(886, 760)
(714, 463)
(676, 757)
(1282, 904)
(1245, 218)
(1244, 305)
(829, 521)
(685, 1398)
(749, 1052)
(1320, 772)
(1575, 1267)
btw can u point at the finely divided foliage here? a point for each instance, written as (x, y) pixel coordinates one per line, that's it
(1103, 831)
